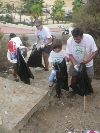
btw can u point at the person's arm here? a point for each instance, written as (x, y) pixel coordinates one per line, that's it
(37, 39)
(49, 41)
(72, 59)
(91, 57)
(49, 37)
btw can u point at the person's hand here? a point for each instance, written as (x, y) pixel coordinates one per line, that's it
(66, 58)
(42, 46)
(34, 44)
(76, 67)
(85, 61)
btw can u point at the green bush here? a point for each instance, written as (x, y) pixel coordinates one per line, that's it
(3, 51)
(24, 38)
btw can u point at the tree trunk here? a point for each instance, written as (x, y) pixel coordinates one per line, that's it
(53, 19)
(20, 17)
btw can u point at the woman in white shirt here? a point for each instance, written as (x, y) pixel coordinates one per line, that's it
(44, 34)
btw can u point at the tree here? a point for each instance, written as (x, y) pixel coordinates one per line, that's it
(77, 4)
(30, 3)
(9, 8)
(36, 11)
(57, 11)
(1, 4)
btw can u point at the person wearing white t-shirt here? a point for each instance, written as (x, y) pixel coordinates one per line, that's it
(56, 55)
(44, 34)
(13, 44)
(18, 42)
(81, 48)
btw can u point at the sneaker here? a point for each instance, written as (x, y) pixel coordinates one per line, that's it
(51, 84)
(16, 79)
(58, 96)
(70, 94)
(45, 69)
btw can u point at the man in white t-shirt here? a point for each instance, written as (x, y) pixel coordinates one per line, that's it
(81, 48)
(44, 34)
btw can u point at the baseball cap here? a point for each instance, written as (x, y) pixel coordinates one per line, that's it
(11, 46)
(38, 22)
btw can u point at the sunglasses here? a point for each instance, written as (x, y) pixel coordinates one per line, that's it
(37, 26)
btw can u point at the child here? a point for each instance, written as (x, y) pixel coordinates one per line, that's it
(56, 55)
(12, 54)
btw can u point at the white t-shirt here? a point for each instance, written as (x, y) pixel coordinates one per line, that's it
(77, 50)
(57, 57)
(17, 40)
(44, 34)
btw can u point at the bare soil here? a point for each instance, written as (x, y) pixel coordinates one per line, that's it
(64, 114)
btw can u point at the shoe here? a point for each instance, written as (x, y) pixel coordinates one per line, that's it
(46, 69)
(58, 96)
(16, 79)
(51, 84)
(70, 94)
(42, 66)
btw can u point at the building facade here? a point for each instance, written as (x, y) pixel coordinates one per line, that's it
(48, 2)
(14, 2)
(68, 3)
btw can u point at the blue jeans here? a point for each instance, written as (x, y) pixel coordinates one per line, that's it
(51, 77)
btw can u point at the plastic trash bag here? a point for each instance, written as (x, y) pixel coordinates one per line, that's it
(23, 70)
(82, 86)
(35, 59)
(61, 76)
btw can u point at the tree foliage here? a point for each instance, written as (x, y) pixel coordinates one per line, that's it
(36, 11)
(3, 51)
(57, 11)
(30, 3)
(77, 4)
(9, 8)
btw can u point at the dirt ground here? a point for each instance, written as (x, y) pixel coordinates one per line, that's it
(66, 115)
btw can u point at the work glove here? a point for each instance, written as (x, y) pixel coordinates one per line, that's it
(13, 61)
(35, 44)
(76, 68)
(42, 46)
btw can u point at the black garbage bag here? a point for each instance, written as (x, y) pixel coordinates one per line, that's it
(23, 70)
(35, 59)
(61, 76)
(82, 86)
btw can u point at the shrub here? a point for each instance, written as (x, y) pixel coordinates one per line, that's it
(3, 51)
(24, 38)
